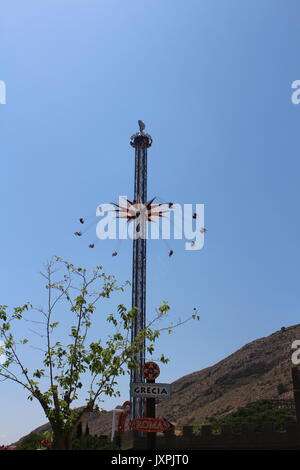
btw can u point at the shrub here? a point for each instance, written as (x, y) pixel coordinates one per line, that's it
(88, 442)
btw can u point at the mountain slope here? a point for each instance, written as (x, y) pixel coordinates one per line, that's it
(260, 369)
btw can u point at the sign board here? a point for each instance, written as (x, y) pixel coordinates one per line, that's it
(155, 390)
(151, 370)
(150, 425)
(123, 416)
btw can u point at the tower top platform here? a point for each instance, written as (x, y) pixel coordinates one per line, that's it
(141, 139)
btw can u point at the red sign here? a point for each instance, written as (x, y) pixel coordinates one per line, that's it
(151, 370)
(123, 416)
(150, 425)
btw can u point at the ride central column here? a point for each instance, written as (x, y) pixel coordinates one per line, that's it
(141, 142)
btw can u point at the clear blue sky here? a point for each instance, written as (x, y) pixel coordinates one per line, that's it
(212, 80)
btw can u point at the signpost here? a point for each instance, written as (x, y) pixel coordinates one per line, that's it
(149, 391)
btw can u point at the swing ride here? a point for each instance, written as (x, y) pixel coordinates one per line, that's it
(138, 212)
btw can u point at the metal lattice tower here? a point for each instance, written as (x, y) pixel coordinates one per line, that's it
(141, 142)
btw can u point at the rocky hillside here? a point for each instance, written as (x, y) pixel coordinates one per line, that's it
(260, 369)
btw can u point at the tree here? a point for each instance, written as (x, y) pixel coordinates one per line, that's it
(88, 442)
(34, 441)
(30, 442)
(79, 430)
(77, 364)
(257, 413)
